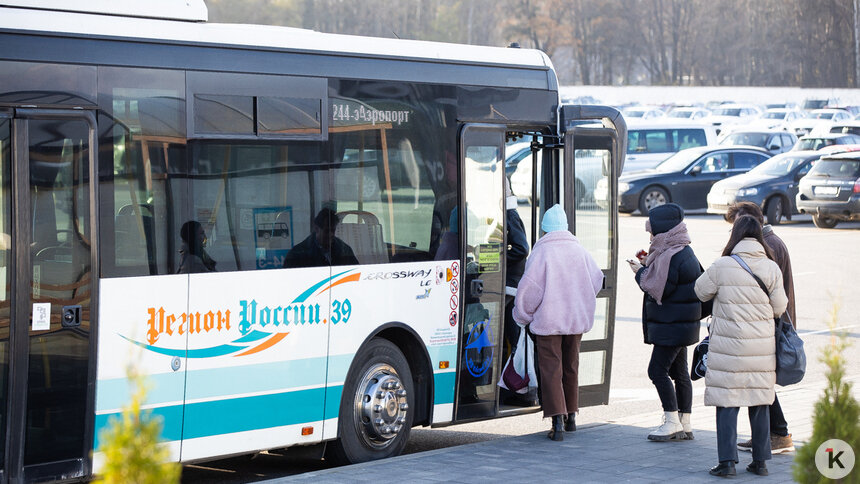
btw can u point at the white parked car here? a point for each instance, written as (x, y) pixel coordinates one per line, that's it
(648, 144)
(642, 112)
(687, 113)
(732, 114)
(819, 119)
(776, 118)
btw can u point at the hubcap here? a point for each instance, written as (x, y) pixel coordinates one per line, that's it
(654, 199)
(380, 406)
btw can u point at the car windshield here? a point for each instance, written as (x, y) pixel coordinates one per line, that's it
(837, 168)
(779, 165)
(727, 112)
(680, 113)
(774, 115)
(749, 139)
(678, 161)
(813, 143)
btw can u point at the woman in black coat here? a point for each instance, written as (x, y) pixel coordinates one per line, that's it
(671, 312)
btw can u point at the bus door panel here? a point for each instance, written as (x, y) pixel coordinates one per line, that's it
(482, 220)
(144, 330)
(592, 158)
(51, 270)
(256, 368)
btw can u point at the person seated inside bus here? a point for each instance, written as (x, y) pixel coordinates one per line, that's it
(321, 247)
(192, 257)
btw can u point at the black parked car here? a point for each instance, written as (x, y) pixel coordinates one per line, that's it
(771, 185)
(831, 190)
(684, 178)
(775, 141)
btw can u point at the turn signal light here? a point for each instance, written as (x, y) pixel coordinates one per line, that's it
(443, 365)
(307, 430)
(857, 186)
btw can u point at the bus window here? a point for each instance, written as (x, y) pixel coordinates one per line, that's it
(256, 203)
(144, 124)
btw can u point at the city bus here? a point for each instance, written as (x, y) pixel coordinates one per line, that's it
(298, 238)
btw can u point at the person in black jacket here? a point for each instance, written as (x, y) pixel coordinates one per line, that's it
(515, 258)
(671, 312)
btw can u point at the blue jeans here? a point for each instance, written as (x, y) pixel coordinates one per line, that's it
(727, 433)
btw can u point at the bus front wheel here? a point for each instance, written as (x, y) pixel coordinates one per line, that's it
(376, 408)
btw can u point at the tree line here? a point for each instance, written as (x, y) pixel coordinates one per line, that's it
(803, 43)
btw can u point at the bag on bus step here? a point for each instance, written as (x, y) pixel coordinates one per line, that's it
(519, 374)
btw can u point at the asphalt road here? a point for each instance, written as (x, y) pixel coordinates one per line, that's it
(825, 265)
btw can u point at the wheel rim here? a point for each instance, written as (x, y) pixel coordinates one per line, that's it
(654, 199)
(380, 406)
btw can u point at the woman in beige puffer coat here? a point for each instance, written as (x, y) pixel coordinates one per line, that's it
(742, 351)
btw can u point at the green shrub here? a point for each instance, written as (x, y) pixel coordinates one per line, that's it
(130, 444)
(837, 413)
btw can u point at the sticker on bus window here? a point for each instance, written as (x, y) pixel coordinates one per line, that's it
(41, 316)
(489, 256)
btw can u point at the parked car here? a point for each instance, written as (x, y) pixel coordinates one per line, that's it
(771, 185)
(775, 141)
(831, 190)
(811, 142)
(518, 169)
(817, 118)
(810, 104)
(688, 113)
(650, 143)
(642, 112)
(844, 127)
(776, 118)
(684, 178)
(731, 114)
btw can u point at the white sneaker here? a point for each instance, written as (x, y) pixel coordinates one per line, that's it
(670, 430)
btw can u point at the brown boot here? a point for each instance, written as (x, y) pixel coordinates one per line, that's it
(780, 444)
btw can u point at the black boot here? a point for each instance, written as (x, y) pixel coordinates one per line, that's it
(725, 469)
(757, 467)
(557, 432)
(570, 423)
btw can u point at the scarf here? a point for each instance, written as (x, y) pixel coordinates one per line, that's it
(663, 247)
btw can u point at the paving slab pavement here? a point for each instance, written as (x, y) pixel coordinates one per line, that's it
(612, 451)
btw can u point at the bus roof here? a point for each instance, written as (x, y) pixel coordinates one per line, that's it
(15, 17)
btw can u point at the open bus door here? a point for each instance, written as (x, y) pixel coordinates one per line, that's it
(594, 147)
(481, 221)
(47, 235)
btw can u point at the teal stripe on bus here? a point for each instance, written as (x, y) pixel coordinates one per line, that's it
(205, 419)
(443, 384)
(171, 420)
(168, 387)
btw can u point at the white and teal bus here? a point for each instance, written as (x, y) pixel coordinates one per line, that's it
(268, 223)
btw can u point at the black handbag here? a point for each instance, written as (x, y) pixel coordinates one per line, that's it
(700, 360)
(790, 356)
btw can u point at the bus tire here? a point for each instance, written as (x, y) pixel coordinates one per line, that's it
(376, 408)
